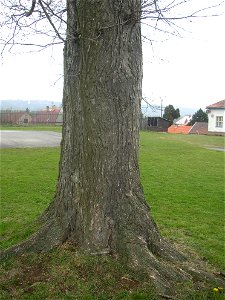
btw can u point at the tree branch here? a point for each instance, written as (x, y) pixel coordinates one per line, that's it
(159, 15)
(29, 13)
(50, 21)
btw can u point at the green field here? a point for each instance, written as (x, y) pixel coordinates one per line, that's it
(183, 183)
(56, 128)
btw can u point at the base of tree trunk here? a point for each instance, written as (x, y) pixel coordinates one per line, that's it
(165, 269)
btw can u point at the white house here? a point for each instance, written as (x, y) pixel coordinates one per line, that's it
(216, 114)
(183, 120)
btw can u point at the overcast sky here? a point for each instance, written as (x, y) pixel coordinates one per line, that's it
(188, 71)
(184, 72)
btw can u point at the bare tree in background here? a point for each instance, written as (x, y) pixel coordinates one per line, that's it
(23, 23)
(99, 203)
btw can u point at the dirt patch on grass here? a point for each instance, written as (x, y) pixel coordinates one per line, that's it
(22, 275)
(34, 273)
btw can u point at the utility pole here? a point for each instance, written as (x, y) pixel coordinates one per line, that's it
(161, 107)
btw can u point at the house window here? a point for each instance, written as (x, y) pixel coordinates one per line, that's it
(219, 121)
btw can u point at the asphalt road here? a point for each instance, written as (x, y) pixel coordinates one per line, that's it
(35, 139)
(29, 139)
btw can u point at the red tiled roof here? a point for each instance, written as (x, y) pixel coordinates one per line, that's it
(45, 117)
(11, 116)
(199, 128)
(179, 129)
(220, 104)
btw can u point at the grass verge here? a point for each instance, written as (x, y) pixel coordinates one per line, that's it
(32, 127)
(184, 184)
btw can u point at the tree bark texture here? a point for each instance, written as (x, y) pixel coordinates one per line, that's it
(99, 195)
(99, 202)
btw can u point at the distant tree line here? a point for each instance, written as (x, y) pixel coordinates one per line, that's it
(170, 113)
(199, 116)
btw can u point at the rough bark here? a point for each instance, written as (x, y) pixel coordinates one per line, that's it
(99, 202)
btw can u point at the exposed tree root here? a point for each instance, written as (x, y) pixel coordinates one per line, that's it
(164, 266)
(47, 237)
(169, 271)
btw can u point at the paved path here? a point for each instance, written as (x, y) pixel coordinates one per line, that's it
(217, 149)
(34, 139)
(29, 139)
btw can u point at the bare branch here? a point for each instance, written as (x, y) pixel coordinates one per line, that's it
(163, 13)
(57, 15)
(50, 21)
(154, 108)
(29, 13)
(159, 15)
(21, 30)
(31, 44)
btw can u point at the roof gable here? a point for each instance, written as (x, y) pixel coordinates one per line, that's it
(220, 104)
(199, 128)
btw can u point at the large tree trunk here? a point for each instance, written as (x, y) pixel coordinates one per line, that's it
(99, 196)
(99, 199)
(99, 202)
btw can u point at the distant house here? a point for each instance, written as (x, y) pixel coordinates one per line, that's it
(158, 124)
(51, 116)
(216, 115)
(15, 117)
(46, 117)
(180, 125)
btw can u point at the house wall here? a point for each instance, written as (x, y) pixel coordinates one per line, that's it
(24, 119)
(212, 120)
(59, 120)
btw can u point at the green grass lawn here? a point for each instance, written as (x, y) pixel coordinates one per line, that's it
(28, 182)
(183, 182)
(56, 128)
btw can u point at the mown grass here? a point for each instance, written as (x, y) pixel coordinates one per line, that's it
(32, 127)
(28, 182)
(184, 184)
(195, 140)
